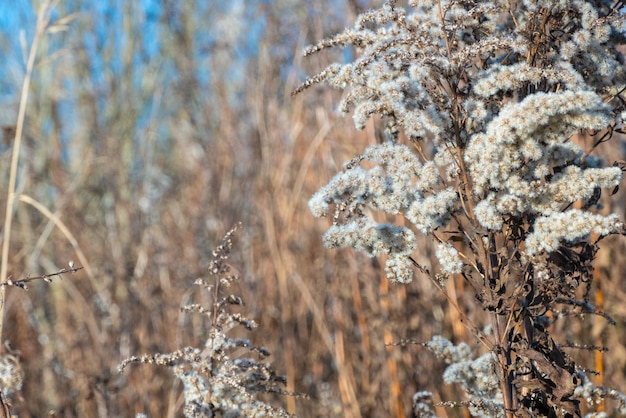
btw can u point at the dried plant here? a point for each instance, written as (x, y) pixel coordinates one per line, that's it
(484, 105)
(217, 380)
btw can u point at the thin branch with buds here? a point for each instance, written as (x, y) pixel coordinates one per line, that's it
(22, 283)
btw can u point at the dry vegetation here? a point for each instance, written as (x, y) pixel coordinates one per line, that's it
(148, 159)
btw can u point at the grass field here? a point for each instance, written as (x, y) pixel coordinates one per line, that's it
(145, 160)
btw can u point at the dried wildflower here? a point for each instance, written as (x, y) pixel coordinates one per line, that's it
(492, 103)
(214, 382)
(449, 259)
(423, 405)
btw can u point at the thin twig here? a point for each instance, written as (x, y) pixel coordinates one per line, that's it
(46, 277)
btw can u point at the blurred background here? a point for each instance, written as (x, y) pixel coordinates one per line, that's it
(152, 127)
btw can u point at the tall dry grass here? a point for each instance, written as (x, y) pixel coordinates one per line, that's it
(148, 158)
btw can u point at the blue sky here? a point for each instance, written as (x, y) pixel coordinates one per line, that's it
(108, 23)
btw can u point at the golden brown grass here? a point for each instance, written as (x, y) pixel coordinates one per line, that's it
(146, 208)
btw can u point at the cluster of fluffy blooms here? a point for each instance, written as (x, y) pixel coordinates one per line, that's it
(477, 377)
(517, 116)
(449, 258)
(214, 383)
(399, 183)
(571, 225)
(230, 388)
(592, 394)
(423, 405)
(522, 166)
(491, 95)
